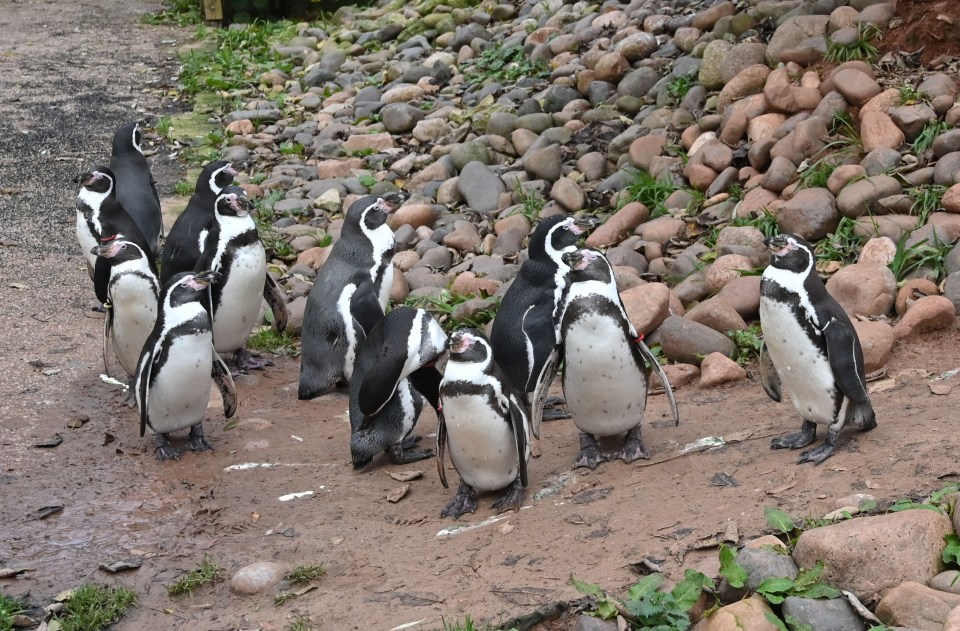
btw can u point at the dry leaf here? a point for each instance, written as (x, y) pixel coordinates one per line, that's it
(9, 572)
(882, 385)
(405, 476)
(398, 493)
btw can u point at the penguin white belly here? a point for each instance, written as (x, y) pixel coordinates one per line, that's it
(605, 390)
(349, 329)
(482, 445)
(804, 370)
(386, 286)
(240, 299)
(134, 302)
(180, 393)
(87, 240)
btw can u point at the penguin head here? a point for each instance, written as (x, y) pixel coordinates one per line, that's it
(233, 202)
(371, 212)
(188, 286)
(555, 235)
(97, 180)
(790, 252)
(468, 345)
(116, 246)
(128, 139)
(217, 175)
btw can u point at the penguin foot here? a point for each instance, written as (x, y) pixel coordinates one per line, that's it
(632, 447)
(163, 449)
(130, 396)
(824, 451)
(554, 409)
(196, 441)
(512, 499)
(400, 454)
(590, 453)
(465, 501)
(410, 440)
(796, 440)
(244, 361)
(98, 309)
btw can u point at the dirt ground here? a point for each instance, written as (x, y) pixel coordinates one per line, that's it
(70, 74)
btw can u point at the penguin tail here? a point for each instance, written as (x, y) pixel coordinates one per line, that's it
(862, 416)
(360, 454)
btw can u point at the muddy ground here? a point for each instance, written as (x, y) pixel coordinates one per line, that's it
(70, 73)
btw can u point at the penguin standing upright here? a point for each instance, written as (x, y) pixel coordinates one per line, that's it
(177, 363)
(393, 373)
(133, 293)
(349, 294)
(525, 337)
(605, 372)
(136, 189)
(811, 350)
(485, 423)
(234, 251)
(99, 214)
(183, 245)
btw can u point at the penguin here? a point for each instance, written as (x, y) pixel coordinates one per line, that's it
(349, 295)
(605, 361)
(394, 372)
(485, 423)
(810, 350)
(99, 214)
(176, 365)
(525, 337)
(136, 188)
(234, 251)
(184, 242)
(133, 292)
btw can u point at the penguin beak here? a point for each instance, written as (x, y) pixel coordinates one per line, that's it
(206, 278)
(86, 178)
(776, 243)
(243, 206)
(395, 200)
(101, 250)
(581, 225)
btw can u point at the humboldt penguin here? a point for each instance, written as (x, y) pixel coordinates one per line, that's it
(136, 188)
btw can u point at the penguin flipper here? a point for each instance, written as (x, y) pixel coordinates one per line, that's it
(426, 381)
(519, 421)
(442, 447)
(224, 380)
(278, 303)
(380, 380)
(101, 279)
(648, 355)
(846, 362)
(539, 394)
(144, 375)
(107, 332)
(769, 376)
(365, 307)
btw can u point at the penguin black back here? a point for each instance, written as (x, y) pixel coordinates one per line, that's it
(136, 189)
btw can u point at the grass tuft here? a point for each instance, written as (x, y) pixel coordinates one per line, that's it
(841, 245)
(180, 12)
(306, 573)
(9, 607)
(94, 607)
(504, 64)
(928, 134)
(649, 191)
(862, 48)
(300, 623)
(266, 339)
(207, 572)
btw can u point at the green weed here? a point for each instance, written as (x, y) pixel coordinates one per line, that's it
(649, 191)
(748, 343)
(863, 48)
(909, 95)
(266, 339)
(679, 86)
(531, 203)
(645, 606)
(926, 200)
(164, 126)
(184, 188)
(292, 149)
(806, 585)
(504, 64)
(306, 573)
(300, 623)
(842, 245)
(919, 255)
(928, 134)
(9, 607)
(444, 305)
(848, 136)
(180, 12)
(816, 174)
(209, 571)
(93, 607)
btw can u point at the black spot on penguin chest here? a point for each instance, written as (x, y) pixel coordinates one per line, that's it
(228, 260)
(807, 321)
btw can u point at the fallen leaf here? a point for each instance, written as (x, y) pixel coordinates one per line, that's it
(44, 512)
(405, 476)
(78, 422)
(9, 572)
(19, 620)
(398, 493)
(64, 596)
(941, 388)
(122, 565)
(49, 443)
(19, 286)
(882, 385)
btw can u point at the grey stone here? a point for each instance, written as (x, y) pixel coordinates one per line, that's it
(823, 614)
(811, 214)
(557, 96)
(689, 342)
(711, 68)
(637, 82)
(948, 581)
(947, 142)
(793, 31)
(947, 170)
(761, 564)
(880, 161)
(858, 198)
(400, 118)
(545, 163)
(260, 115)
(481, 187)
(592, 623)
(951, 289)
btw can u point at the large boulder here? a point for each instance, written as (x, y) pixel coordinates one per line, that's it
(864, 288)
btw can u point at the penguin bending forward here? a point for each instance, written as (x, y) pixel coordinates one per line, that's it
(349, 295)
(605, 362)
(811, 350)
(484, 421)
(133, 293)
(177, 363)
(233, 250)
(136, 188)
(394, 372)
(525, 337)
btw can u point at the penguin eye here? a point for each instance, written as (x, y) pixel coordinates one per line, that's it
(123, 246)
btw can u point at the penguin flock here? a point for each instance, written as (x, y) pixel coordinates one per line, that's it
(169, 324)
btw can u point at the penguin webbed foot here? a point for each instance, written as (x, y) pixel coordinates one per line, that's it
(796, 440)
(824, 451)
(164, 449)
(130, 396)
(590, 453)
(554, 409)
(632, 448)
(512, 499)
(404, 453)
(465, 501)
(196, 441)
(244, 362)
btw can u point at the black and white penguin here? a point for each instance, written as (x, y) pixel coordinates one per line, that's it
(525, 337)
(176, 366)
(485, 423)
(349, 295)
(133, 293)
(394, 372)
(136, 188)
(99, 214)
(605, 362)
(182, 247)
(811, 350)
(234, 251)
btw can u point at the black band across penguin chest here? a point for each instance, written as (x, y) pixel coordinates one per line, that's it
(227, 260)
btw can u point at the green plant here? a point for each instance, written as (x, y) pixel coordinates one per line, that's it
(531, 202)
(207, 572)
(921, 254)
(93, 607)
(180, 12)
(926, 200)
(266, 339)
(649, 191)
(466, 625)
(735, 191)
(367, 180)
(306, 573)
(9, 607)
(645, 606)
(359, 153)
(775, 589)
(164, 126)
(443, 305)
(292, 149)
(909, 95)
(183, 187)
(928, 134)
(848, 136)
(679, 86)
(748, 343)
(842, 245)
(504, 64)
(300, 623)
(861, 48)
(816, 174)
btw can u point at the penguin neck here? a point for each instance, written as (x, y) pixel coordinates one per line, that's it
(382, 243)
(793, 283)
(468, 372)
(89, 203)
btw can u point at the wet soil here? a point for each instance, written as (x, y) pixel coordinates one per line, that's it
(928, 29)
(71, 73)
